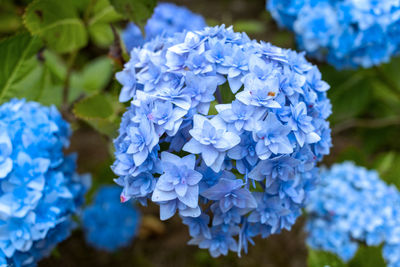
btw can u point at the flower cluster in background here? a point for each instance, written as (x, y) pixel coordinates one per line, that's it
(346, 33)
(167, 19)
(109, 224)
(39, 189)
(249, 162)
(351, 206)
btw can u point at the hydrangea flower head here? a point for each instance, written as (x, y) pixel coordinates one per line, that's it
(166, 20)
(39, 189)
(247, 163)
(108, 223)
(351, 206)
(346, 33)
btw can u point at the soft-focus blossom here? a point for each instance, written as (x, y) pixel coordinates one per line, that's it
(108, 223)
(233, 170)
(352, 206)
(346, 33)
(39, 188)
(166, 20)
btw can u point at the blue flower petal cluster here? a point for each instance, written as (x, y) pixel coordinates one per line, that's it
(247, 164)
(166, 20)
(351, 206)
(39, 188)
(346, 33)
(109, 224)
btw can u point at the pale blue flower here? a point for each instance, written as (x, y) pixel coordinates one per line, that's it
(211, 140)
(219, 243)
(198, 226)
(272, 138)
(143, 139)
(230, 193)
(239, 115)
(178, 181)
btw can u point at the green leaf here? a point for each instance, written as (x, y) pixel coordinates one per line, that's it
(97, 74)
(58, 23)
(318, 258)
(100, 113)
(368, 257)
(136, 10)
(106, 127)
(18, 62)
(102, 15)
(94, 107)
(55, 65)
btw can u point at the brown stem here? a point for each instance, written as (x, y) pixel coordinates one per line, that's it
(115, 52)
(366, 123)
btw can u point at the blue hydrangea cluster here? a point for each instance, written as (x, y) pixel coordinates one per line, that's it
(166, 20)
(108, 223)
(351, 206)
(248, 163)
(39, 189)
(346, 33)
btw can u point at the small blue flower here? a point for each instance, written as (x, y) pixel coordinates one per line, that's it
(239, 115)
(109, 224)
(230, 193)
(198, 226)
(136, 186)
(211, 140)
(219, 243)
(178, 181)
(282, 167)
(143, 139)
(272, 138)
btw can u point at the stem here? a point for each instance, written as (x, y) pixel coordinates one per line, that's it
(88, 12)
(70, 65)
(115, 52)
(366, 123)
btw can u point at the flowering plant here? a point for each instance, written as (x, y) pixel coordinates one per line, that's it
(351, 206)
(346, 33)
(109, 224)
(249, 163)
(39, 189)
(166, 20)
